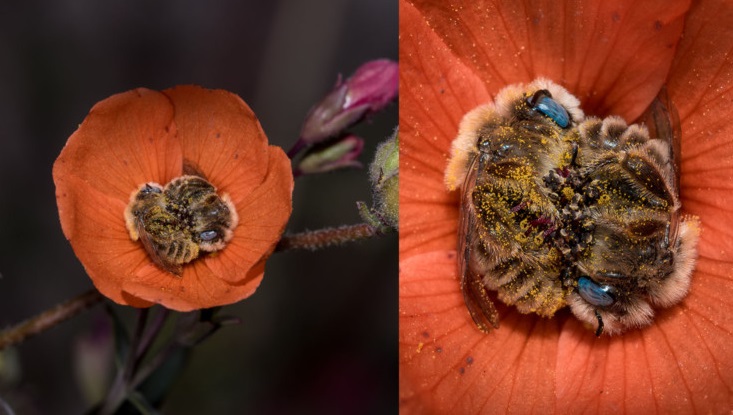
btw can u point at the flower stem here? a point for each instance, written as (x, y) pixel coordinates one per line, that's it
(143, 338)
(49, 318)
(322, 238)
(149, 336)
(299, 145)
(132, 354)
(118, 391)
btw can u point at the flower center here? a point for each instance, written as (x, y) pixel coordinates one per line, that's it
(177, 221)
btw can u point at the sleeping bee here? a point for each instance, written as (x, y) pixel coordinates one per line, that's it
(562, 210)
(177, 222)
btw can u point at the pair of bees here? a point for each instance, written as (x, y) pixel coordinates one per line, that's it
(559, 209)
(179, 221)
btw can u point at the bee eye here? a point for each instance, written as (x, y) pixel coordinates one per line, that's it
(150, 189)
(542, 101)
(208, 235)
(596, 295)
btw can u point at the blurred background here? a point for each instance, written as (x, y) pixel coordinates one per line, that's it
(320, 334)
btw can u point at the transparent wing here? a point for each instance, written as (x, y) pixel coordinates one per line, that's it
(663, 122)
(192, 169)
(154, 253)
(479, 305)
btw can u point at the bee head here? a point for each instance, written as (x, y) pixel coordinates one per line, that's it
(620, 296)
(609, 307)
(211, 240)
(541, 100)
(614, 302)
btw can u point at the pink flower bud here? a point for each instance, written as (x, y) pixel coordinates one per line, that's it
(374, 83)
(367, 91)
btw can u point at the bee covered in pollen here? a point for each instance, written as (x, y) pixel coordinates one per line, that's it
(178, 222)
(562, 210)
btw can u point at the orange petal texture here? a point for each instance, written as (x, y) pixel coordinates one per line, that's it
(145, 136)
(614, 56)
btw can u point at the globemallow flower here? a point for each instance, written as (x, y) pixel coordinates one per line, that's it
(173, 197)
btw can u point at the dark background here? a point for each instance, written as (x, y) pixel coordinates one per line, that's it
(320, 334)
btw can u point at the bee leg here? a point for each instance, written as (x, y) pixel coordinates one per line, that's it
(599, 330)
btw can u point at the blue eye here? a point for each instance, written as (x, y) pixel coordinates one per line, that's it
(208, 235)
(594, 294)
(542, 102)
(148, 189)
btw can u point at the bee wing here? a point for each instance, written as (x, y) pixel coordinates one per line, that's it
(479, 305)
(154, 252)
(663, 122)
(192, 169)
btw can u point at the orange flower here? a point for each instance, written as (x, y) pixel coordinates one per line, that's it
(614, 56)
(145, 136)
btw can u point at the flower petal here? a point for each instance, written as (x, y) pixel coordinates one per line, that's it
(701, 78)
(198, 287)
(614, 56)
(436, 90)
(93, 222)
(263, 214)
(679, 364)
(448, 366)
(701, 86)
(126, 140)
(221, 135)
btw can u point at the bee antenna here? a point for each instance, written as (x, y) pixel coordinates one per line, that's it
(599, 330)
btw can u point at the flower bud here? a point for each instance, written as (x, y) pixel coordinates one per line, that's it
(384, 175)
(338, 154)
(374, 83)
(369, 90)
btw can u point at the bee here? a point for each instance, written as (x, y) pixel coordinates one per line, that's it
(177, 222)
(559, 209)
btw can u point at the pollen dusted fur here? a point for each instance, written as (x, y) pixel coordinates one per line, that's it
(558, 209)
(177, 222)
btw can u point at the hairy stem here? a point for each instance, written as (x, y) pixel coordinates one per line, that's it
(322, 238)
(49, 318)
